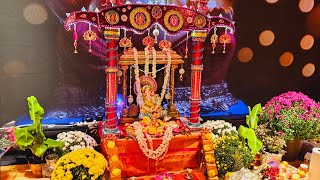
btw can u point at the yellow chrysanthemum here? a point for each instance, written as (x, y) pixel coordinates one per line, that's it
(116, 172)
(114, 158)
(88, 158)
(111, 145)
(209, 136)
(212, 173)
(209, 158)
(206, 147)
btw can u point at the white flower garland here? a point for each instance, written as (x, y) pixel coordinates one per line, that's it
(137, 77)
(167, 75)
(140, 101)
(142, 141)
(154, 62)
(146, 66)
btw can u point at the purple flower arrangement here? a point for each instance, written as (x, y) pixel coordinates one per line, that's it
(292, 114)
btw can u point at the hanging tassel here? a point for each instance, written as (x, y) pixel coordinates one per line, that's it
(75, 38)
(225, 39)
(214, 39)
(186, 55)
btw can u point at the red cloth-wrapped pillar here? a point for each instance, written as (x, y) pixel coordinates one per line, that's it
(112, 38)
(198, 38)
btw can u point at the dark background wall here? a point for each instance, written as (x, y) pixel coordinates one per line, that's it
(36, 55)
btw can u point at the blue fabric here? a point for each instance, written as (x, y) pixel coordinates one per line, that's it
(25, 120)
(238, 110)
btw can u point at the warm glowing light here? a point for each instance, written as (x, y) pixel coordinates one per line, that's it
(14, 68)
(307, 42)
(313, 21)
(308, 70)
(271, 1)
(306, 5)
(266, 38)
(286, 59)
(245, 54)
(35, 13)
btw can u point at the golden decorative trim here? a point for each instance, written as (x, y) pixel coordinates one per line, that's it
(173, 16)
(196, 67)
(156, 12)
(112, 17)
(140, 18)
(200, 21)
(111, 69)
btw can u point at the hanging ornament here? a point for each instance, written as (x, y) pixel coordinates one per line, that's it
(225, 39)
(214, 39)
(186, 55)
(155, 32)
(119, 74)
(148, 41)
(165, 44)
(90, 36)
(181, 72)
(125, 42)
(167, 96)
(130, 97)
(75, 38)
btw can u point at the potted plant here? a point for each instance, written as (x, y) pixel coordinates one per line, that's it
(248, 133)
(273, 144)
(295, 116)
(33, 138)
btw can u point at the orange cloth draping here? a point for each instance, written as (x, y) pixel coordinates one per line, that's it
(183, 152)
(17, 172)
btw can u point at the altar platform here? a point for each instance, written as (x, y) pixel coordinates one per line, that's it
(184, 150)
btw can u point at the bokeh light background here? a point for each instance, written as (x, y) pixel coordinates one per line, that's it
(277, 49)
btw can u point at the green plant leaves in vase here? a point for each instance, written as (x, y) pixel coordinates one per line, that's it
(248, 133)
(32, 137)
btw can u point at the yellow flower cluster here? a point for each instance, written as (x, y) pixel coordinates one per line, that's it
(88, 158)
(221, 139)
(153, 127)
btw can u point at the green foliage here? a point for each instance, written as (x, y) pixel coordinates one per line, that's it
(32, 137)
(272, 141)
(249, 134)
(231, 154)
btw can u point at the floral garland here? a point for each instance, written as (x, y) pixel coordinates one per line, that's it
(137, 77)
(146, 62)
(154, 63)
(167, 75)
(142, 141)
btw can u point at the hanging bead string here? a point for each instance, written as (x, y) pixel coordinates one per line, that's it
(130, 97)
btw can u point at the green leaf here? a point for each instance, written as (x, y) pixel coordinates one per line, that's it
(53, 143)
(243, 131)
(253, 142)
(24, 138)
(35, 110)
(248, 118)
(252, 119)
(39, 149)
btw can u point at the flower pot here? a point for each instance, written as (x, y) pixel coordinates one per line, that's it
(293, 149)
(268, 157)
(47, 168)
(36, 170)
